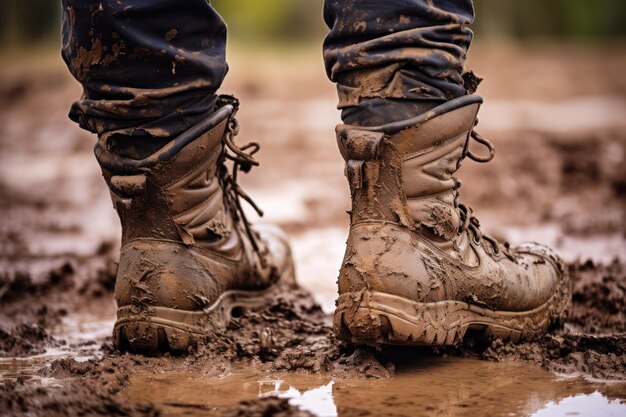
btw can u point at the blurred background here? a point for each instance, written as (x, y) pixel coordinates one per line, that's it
(297, 21)
(555, 107)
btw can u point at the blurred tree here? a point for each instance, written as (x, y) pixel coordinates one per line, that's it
(527, 19)
(288, 21)
(284, 21)
(26, 21)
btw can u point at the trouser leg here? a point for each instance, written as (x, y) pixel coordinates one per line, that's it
(149, 68)
(393, 59)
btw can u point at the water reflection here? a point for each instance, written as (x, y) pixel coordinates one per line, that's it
(318, 401)
(436, 386)
(594, 404)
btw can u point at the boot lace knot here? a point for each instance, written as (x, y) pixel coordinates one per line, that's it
(471, 223)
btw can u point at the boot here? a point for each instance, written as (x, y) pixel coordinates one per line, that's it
(417, 269)
(189, 258)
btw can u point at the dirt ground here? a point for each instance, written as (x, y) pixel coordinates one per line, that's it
(556, 117)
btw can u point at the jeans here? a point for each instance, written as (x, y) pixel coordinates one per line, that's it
(150, 69)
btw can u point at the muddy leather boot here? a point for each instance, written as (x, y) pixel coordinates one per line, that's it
(189, 258)
(417, 269)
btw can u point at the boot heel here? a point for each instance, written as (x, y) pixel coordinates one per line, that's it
(356, 321)
(163, 329)
(151, 338)
(364, 326)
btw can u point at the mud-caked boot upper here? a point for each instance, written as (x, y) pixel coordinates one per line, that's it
(185, 239)
(417, 267)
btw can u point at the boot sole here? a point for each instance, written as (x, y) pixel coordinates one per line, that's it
(375, 318)
(156, 330)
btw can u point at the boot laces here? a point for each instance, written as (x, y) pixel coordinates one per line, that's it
(243, 160)
(470, 222)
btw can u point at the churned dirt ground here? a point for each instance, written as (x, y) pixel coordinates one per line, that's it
(555, 114)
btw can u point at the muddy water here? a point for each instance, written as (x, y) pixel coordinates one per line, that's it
(423, 386)
(81, 333)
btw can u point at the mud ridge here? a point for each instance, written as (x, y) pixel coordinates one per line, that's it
(88, 388)
(24, 340)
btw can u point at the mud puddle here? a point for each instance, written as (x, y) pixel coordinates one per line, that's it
(77, 336)
(287, 352)
(424, 386)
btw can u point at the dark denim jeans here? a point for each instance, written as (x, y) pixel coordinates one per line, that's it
(151, 68)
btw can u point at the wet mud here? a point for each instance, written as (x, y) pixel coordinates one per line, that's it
(59, 251)
(266, 406)
(593, 339)
(292, 336)
(423, 385)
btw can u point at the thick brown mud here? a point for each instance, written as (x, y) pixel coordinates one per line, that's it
(58, 254)
(289, 347)
(592, 340)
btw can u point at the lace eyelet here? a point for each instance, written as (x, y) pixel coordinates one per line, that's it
(496, 250)
(476, 240)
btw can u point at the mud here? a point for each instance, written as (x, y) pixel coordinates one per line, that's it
(592, 341)
(90, 388)
(292, 336)
(24, 340)
(423, 385)
(58, 254)
(266, 406)
(37, 295)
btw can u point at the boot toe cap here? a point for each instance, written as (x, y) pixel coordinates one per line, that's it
(549, 272)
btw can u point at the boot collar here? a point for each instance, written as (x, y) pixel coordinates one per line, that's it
(123, 165)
